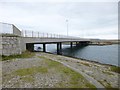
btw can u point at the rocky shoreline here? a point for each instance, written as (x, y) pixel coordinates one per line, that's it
(87, 60)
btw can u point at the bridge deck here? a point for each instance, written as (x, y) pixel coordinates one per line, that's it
(52, 40)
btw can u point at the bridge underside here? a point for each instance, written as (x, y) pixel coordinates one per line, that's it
(30, 46)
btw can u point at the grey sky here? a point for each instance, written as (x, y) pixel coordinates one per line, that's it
(85, 19)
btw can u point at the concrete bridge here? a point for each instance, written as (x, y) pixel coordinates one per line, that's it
(30, 41)
(20, 41)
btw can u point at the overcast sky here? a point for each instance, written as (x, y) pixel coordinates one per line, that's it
(85, 19)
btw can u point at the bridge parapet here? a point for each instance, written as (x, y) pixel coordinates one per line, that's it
(28, 33)
(12, 29)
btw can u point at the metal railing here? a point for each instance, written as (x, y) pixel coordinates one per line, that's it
(28, 33)
(6, 28)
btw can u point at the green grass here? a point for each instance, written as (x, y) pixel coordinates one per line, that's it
(76, 79)
(31, 71)
(27, 79)
(25, 54)
(115, 69)
(52, 64)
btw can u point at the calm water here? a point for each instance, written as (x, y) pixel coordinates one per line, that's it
(104, 54)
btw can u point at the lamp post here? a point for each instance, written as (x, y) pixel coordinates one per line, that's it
(67, 26)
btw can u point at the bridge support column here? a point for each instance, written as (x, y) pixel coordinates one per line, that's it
(44, 47)
(59, 48)
(71, 44)
(77, 43)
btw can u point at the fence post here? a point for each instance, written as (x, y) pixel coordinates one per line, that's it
(51, 35)
(47, 35)
(38, 34)
(25, 33)
(32, 33)
(43, 34)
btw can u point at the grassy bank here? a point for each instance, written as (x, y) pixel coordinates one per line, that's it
(25, 54)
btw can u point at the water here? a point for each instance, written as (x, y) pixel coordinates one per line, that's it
(104, 54)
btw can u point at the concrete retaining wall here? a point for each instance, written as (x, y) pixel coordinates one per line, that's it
(11, 45)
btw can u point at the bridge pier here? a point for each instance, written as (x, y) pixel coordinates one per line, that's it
(59, 48)
(44, 47)
(71, 44)
(78, 43)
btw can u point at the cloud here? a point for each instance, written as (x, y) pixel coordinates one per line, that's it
(84, 18)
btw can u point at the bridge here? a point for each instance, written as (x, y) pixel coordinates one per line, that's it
(24, 40)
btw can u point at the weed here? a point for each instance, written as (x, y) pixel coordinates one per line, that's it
(30, 71)
(27, 79)
(86, 64)
(50, 63)
(115, 69)
(90, 86)
(25, 54)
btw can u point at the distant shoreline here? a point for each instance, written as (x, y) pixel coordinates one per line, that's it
(104, 42)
